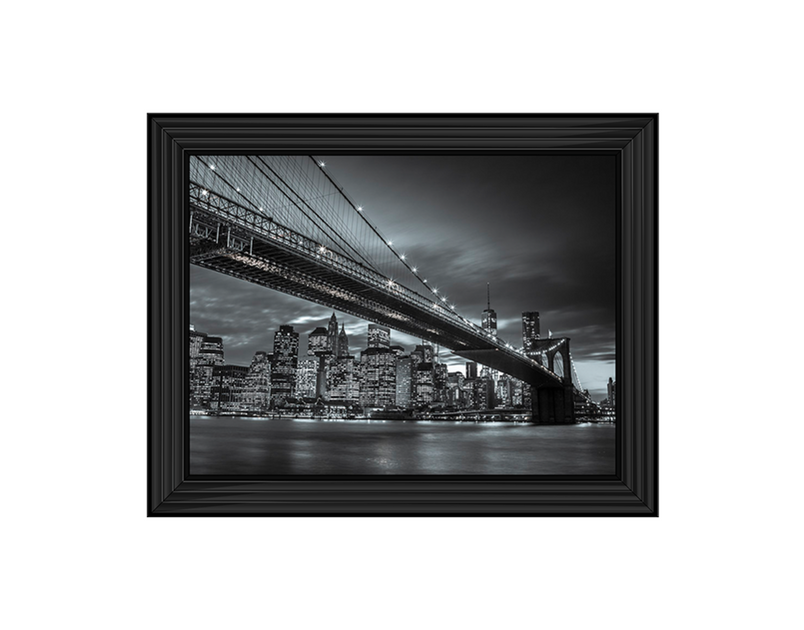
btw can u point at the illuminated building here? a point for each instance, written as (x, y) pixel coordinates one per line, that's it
(205, 354)
(332, 335)
(342, 380)
(306, 375)
(612, 393)
(423, 386)
(489, 321)
(404, 381)
(343, 344)
(317, 341)
(378, 377)
(229, 381)
(285, 362)
(439, 382)
(379, 336)
(257, 389)
(530, 333)
(471, 370)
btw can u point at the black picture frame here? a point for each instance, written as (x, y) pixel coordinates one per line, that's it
(631, 491)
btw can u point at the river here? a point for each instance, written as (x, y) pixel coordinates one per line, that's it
(259, 446)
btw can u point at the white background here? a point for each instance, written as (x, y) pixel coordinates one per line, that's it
(78, 80)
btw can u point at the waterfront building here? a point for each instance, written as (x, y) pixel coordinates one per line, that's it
(423, 385)
(229, 382)
(440, 382)
(285, 362)
(378, 377)
(342, 381)
(404, 381)
(257, 388)
(503, 392)
(306, 377)
(205, 354)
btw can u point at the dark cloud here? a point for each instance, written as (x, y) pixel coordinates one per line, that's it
(540, 229)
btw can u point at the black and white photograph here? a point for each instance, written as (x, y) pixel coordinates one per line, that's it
(402, 314)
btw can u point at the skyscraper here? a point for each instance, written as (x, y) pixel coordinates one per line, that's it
(471, 369)
(332, 335)
(343, 344)
(489, 322)
(286, 356)
(530, 333)
(404, 381)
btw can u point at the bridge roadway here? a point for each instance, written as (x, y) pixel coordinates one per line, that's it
(240, 242)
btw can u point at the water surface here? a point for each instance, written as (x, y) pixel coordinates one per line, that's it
(259, 446)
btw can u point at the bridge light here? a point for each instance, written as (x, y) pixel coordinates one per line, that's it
(322, 164)
(435, 291)
(402, 256)
(390, 243)
(205, 192)
(443, 299)
(360, 208)
(212, 166)
(237, 189)
(415, 270)
(425, 280)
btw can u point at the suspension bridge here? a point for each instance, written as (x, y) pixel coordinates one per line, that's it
(285, 223)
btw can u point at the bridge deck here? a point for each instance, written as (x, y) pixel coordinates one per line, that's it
(236, 241)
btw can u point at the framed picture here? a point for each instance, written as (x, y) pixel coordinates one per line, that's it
(413, 315)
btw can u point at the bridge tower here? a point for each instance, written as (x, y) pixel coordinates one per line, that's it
(555, 404)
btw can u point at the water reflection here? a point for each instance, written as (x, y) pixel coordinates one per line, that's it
(258, 446)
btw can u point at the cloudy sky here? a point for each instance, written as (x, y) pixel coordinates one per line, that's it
(540, 229)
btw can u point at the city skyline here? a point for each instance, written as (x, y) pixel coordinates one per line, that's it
(540, 230)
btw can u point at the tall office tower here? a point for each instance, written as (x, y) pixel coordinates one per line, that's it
(332, 335)
(612, 391)
(257, 390)
(342, 380)
(398, 350)
(286, 357)
(404, 381)
(379, 336)
(530, 333)
(471, 369)
(317, 341)
(343, 344)
(378, 377)
(306, 374)
(423, 385)
(489, 322)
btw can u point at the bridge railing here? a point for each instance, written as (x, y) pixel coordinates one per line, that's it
(267, 228)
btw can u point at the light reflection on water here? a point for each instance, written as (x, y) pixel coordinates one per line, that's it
(261, 446)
